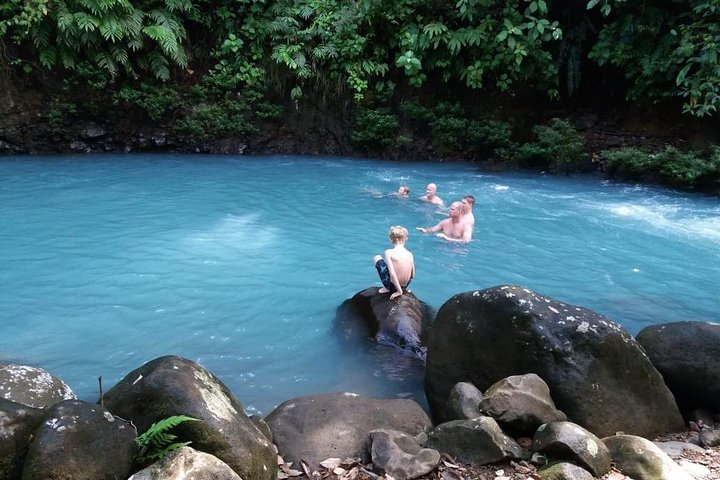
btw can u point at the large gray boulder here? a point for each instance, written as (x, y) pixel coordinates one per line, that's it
(17, 425)
(186, 463)
(32, 386)
(319, 427)
(687, 354)
(598, 375)
(402, 322)
(173, 385)
(80, 441)
(641, 459)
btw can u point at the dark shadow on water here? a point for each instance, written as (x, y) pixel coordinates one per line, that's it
(399, 370)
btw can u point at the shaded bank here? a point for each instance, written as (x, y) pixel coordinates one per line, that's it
(498, 133)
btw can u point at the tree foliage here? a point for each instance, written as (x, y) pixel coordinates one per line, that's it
(365, 48)
(666, 49)
(114, 35)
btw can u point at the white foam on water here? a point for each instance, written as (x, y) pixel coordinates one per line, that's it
(234, 234)
(670, 218)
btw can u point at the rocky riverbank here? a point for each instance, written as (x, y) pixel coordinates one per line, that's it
(521, 386)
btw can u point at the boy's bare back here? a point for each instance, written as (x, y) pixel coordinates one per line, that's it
(402, 261)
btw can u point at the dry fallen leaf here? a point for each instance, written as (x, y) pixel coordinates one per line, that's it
(331, 463)
(451, 465)
(339, 471)
(305, 468)
(352, 474)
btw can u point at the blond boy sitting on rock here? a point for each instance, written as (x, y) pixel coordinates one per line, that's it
(397, 269)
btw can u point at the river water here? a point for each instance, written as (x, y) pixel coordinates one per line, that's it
(239, 263)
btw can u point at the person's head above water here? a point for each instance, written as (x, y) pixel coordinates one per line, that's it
(398, 234)
(431, 195)
(456, 210)
(404, 190)
(468, 200)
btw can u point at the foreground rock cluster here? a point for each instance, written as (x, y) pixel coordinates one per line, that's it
(548, 390)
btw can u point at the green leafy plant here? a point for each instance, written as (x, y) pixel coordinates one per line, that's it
(155, 101)
(628, 163)
(559, 147)
(59, 115)
(449, 133)
(206, 121)
(157, 442)
(491, 133)
(374, 128)
(685, 168)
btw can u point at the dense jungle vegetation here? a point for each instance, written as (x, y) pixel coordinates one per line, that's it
(400, 70)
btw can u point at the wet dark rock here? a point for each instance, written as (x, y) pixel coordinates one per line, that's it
(79, 440)
(17, 425)
(687, 354)
(403, 322)
(598, 375)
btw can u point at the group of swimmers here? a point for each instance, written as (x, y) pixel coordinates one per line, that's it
(397, 268)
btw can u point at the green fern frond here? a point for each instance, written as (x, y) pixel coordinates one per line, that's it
(120, 55)
(48, 57)
(111, 29)
(65, 19)
(156, 442)
(133, 23)
(180, 5)
(106, 62)
(305, 12)
(86, 22)
(41, 34)
(156, 32)
(158, 65)
(135, 44)
(67, 57)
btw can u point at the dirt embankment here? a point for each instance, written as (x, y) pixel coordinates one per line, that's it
(33, 120)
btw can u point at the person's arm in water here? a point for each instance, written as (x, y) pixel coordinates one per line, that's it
(393, 275)
(434, 229)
